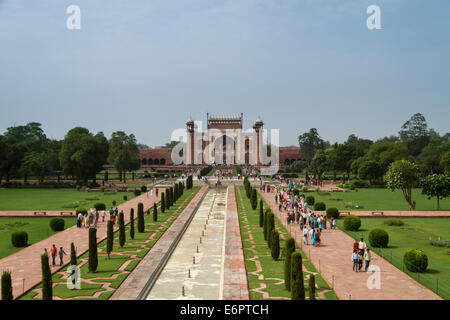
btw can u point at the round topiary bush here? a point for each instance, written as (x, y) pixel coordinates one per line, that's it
(81, 210)
(57, 224)
(333, 212)
(378, 238)
(305, 189)
(19, 239)
(310, 200)
(100, 206)
(125, 198)
(415, 260)
(393, 222)
(319, 206)
(144, 188)
(137, 192)
(352, 223)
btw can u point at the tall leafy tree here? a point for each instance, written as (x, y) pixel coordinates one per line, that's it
(319, 163)
(436, 185)
(445, 162)
(403, 175)
(309, 143)
(415, 134)
(82, 154)
(123, 152)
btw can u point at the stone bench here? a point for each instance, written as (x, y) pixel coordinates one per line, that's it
(378, 212)
(70, 213)
(44, 213)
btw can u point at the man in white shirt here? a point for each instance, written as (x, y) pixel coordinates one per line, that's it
(305, 235)
(362, 245)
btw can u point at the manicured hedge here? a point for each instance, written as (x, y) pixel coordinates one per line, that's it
(378, 238)
(393, 222)
(137, 193)
(57, 224)
(319, 206)
(333, 212)
(310, 200)
(352, 223)
(19, 239)
(81, 210)
(415, 260)
(100, 206)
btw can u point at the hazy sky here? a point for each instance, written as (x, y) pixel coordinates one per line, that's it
(146, 66)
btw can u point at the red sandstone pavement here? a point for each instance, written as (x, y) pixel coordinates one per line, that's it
(396, 214)
(235, 284)
(333, 260)
(25, 265)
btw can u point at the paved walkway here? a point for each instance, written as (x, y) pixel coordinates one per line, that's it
(25, 265)
(235, 284)
(333, 260)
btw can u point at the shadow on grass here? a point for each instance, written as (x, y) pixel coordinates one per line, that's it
(432, 271)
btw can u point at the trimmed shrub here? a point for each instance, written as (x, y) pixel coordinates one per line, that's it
(93, 255)
(297, 284)
(332, 212)
(137, 193)
(310, 200)
(312, 287)
(168, 198)
(305, 189)
(57, 224)
(125, 198)
(261, 213)
(143, 189)
(358, 184)
(47, 285)
(73, 255)
(140, 218)
(109, 237)
(270, 228)
(295, 192)
(81, 210)
(254, 199)
(319, 206)
(100, 206)
(415, 260)
(275, 245)
(155, 212)
(288, 250)
(114, 203)
(19, 239)
(132, 223)
(102, 189)
(352, 223)
(393, 222)
(265, 224)
(7, 293)
(121, 230)
(163, 202)
(378, 238)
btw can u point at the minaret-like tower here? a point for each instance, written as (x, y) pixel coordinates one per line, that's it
(258, 131)
(190, 142)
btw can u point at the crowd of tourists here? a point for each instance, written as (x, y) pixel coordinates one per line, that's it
(361, 254)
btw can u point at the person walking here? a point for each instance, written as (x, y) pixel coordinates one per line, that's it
(61, 255)
(355, 259)
(362, 246)
(367, 257)
(79, 220)
(53, 252)
(156, 191)
(103, 215)
(360, 260)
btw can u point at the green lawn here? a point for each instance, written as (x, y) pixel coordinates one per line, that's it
(377, 199)
(132, 253)
(415, 233)
(55, 199)
(37, 229)
(272, 271)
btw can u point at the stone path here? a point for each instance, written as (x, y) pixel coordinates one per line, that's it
(25, 265)
(333, 260)
(149, 267)
(235, 284)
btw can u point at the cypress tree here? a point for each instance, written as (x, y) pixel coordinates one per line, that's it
(176, 191)
(7, 293)
(254, 199)
(288, 250)
(168, 198)
(155, 212)
(297, 285)
(121, 230)
(270, 227)
(163, 202)
(266, 214)
(132, 223)
(93, 255)
(73, 255)
(110, 237)
(140, 217)
(47, 290)
(261, 213)
(275, 243)
(171, 196)
(312, 287)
